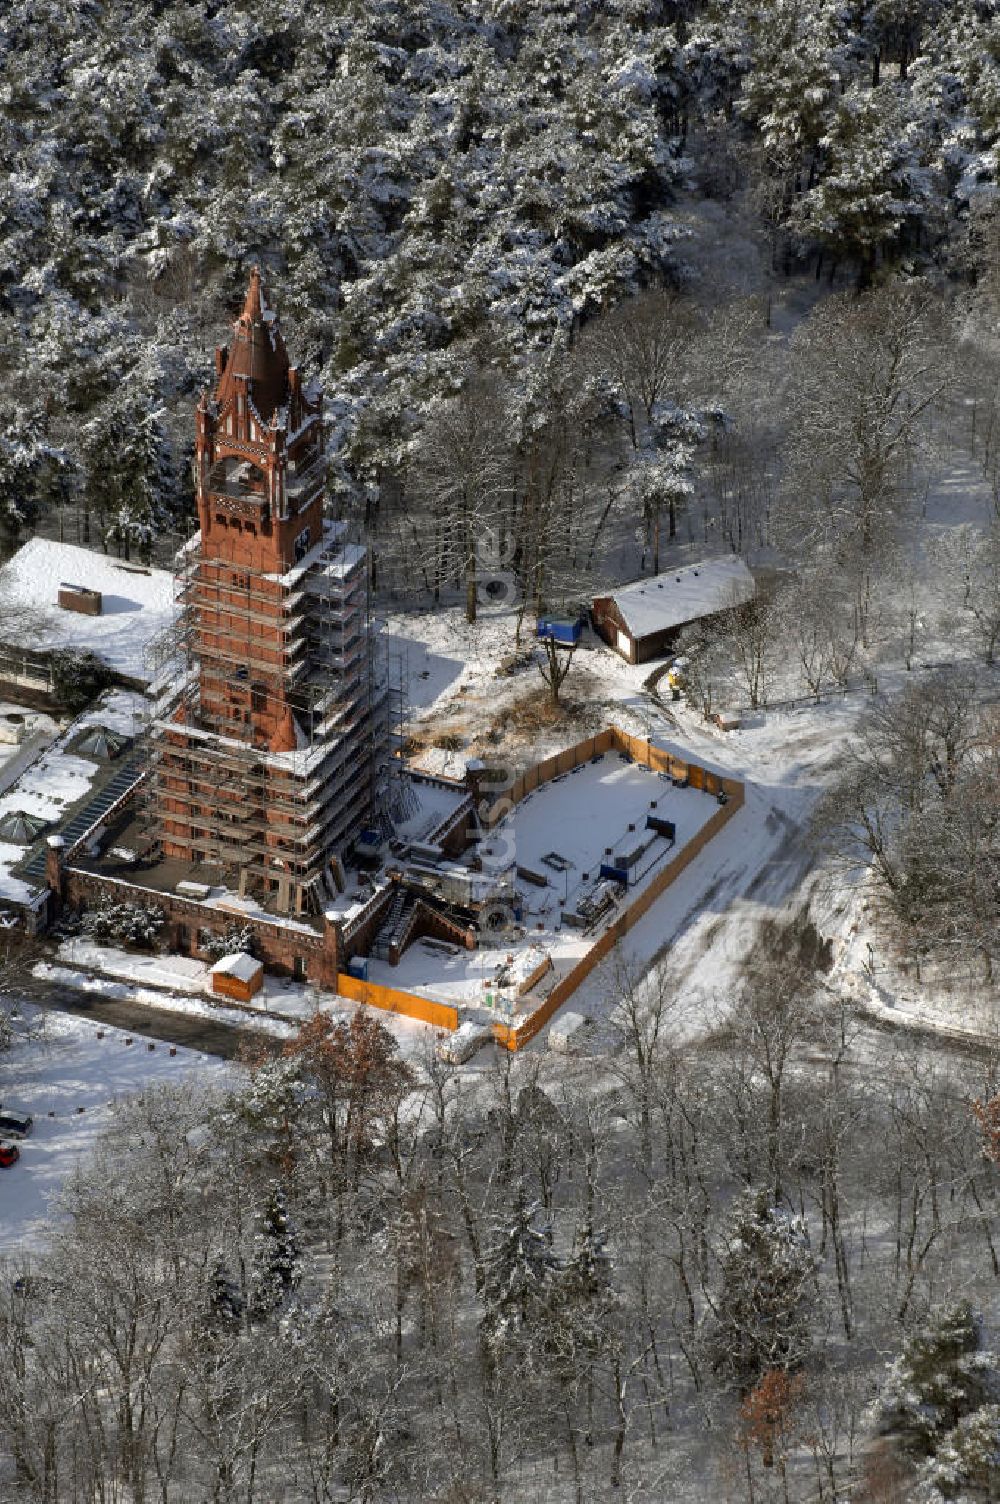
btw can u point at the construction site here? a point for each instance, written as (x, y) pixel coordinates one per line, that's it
(257, 782)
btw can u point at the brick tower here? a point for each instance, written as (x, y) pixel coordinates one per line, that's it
(275, 751)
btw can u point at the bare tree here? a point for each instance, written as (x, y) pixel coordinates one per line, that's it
(460, 470)
(774, 1015)
(982, 595)
(868, 375)
(554, 659)
(643, 347)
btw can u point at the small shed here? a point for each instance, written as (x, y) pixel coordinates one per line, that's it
(641, 621)
(238, 976)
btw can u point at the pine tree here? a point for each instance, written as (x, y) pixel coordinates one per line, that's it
(26, 456)
(942, 1375)
(521, 1269)
(278, 1257)
(767, 1292)
(235, 939)
(225, 1301)
(874, 187)
(125, 923)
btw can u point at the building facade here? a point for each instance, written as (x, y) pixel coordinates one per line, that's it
(272, 748)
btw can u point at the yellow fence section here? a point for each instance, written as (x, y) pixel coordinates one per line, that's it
(411, 1004)
(516, 1037)
(612, 739)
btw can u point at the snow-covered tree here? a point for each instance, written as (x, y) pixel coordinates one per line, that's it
(794, 70)
(870, 374)
(521, 1269)
(277, 1257)
(460, 469)
(78, 677)
(124, 923)
(875, 187)
(766, 1296)
(27, 461)
(235, 938)
(943, 1374)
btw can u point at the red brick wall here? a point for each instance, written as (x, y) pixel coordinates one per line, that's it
(278, 945)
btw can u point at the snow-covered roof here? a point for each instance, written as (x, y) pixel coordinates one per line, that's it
(137, 603)
(238, 965)
(682, 595)
(58, 779)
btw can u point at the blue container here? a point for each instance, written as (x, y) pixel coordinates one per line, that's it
(357, 966)
(565, 632)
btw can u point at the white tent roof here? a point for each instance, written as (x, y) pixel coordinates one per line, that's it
(239, 965)
(682, 595)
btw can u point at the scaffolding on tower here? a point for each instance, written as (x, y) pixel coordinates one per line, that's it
(337, 778)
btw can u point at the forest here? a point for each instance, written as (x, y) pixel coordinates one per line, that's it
(591, 286)
(747, 1271)
(456, 206)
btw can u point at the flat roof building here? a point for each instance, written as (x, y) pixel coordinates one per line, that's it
(57, 595)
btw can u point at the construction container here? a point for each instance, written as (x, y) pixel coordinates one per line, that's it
(566, 633)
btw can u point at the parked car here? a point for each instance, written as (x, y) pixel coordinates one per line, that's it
(15, 1122)
(8, 1154)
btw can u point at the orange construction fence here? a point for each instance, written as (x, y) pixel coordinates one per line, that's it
(612, 738)
(410, 1004)
(515, 1037)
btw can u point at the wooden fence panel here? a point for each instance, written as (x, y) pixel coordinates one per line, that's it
(516, 1037)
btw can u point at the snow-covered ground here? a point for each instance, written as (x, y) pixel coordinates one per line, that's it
(702, 928)
(175, 973)
(581, 820)
(868, 970)
(457, 688)
(137, 603)
(175, 984)
(95, 984)
(67, 1078)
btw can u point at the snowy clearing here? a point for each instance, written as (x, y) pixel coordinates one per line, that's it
(67, 1078)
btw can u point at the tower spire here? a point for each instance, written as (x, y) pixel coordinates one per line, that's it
(256, 363)
(254, 302)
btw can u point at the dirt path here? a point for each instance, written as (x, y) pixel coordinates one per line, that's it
(192, 1031)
